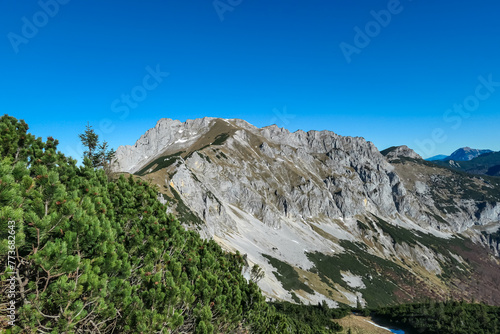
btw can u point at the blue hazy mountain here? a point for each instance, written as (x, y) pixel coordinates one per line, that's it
(462, 154)
(437, 157)
(466, 154)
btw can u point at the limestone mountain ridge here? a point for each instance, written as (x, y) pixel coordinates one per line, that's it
(327, 217)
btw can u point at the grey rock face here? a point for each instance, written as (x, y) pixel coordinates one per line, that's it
(167, 133)
(270, 191)
(402, 152)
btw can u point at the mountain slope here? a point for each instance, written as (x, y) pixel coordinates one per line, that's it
(327, 217)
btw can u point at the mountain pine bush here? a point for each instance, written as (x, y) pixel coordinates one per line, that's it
(101, 256)
(457, 317)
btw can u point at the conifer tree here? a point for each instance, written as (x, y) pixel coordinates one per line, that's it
(90, 141)
(98, 154)
(256, 273)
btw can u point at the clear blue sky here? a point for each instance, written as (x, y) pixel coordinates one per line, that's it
(282, 62)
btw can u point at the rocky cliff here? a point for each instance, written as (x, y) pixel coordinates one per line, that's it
(327, 217)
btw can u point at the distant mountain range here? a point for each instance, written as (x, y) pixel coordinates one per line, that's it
(462, 154)
(471, 160)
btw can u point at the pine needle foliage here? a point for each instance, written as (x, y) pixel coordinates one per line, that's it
(97, 154)
(456, 317)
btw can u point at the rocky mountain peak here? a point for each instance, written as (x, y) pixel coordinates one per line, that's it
(167, 135)
(397, 152)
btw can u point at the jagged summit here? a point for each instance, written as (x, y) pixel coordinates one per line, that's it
(173, 135)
